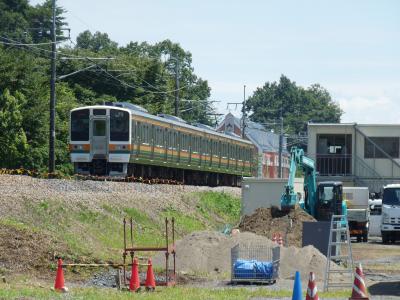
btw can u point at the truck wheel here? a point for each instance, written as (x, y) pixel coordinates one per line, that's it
(358, 238)
(385, 238)
(365, 237)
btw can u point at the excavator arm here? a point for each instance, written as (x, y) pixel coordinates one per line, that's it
(289, 197)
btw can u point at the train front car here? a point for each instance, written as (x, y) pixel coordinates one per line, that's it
(100, 140)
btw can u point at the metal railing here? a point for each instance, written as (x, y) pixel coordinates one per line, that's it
(334, 164)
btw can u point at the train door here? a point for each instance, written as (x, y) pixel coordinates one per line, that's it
(99, 141)
(170, 153)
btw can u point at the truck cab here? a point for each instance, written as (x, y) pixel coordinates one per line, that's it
(390, 226)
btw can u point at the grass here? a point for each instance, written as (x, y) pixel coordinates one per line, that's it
(184, 223)
(17, 225)
(93, 231)
(223, 205)
(176, 293)
(97, 232)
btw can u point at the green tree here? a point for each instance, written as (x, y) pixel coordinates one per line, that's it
(299, 105)
(13, 144)
(96, 42)
(29, 24)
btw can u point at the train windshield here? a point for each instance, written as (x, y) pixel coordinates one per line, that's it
(80, 125)
(119, 125)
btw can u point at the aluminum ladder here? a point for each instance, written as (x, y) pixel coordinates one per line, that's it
(339, 237)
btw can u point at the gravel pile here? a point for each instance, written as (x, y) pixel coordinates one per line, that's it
(210, 252)
(267, 221)
(152, 199)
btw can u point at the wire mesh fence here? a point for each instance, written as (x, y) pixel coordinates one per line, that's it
(254, 263)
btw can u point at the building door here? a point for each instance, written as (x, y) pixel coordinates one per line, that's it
(334, 154)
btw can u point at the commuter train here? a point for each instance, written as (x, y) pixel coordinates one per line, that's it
(122, 139)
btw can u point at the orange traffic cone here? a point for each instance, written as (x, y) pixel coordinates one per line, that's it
(150, 280)
(134, 283)
(59, 283)
(274, 237)
(359, 289)
(280, 240)
(312, 291)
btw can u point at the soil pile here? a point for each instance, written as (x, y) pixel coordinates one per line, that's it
(207, 252)
(22, 249)
(267, 221)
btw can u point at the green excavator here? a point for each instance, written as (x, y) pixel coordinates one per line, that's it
(320, 200)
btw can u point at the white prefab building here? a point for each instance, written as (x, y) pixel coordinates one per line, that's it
(357, 154)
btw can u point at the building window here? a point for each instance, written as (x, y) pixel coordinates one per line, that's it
(390, 146)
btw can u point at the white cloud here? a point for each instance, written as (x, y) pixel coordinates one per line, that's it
(370, 109)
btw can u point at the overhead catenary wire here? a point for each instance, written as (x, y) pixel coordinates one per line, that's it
(122, 82)
(28, 44)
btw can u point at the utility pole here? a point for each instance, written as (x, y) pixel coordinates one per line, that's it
(280, 145)
(52, 136)
(244, 112)
(176, 87)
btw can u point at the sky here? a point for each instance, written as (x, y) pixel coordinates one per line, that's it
(352, 48)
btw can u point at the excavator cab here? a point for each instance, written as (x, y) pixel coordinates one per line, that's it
(329, 200)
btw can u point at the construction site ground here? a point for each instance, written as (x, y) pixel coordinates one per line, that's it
(82, 221)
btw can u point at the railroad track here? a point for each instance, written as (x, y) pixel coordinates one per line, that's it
(38, 174)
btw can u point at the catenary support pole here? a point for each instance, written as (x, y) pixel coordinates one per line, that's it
(177, 87)
(52, 136)
(280, 175)
(244, 112)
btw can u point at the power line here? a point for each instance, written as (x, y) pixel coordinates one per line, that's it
(129, 85)
(29, 44)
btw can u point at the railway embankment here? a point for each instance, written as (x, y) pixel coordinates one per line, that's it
(82, 220)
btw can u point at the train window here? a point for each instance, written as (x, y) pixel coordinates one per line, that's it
(99, 128)
(194, 144)
(99, 112)
(144, 133)
(80, 125)
(119, 125)
(170, 142)
(147, 133)
(161, 133)
(133, 131)
(157, 136)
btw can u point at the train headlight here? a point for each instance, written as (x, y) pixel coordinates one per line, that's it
(78, 147)
(121, 147)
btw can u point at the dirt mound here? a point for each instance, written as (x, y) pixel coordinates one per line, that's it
(207, 252)
(22, 249)
(267, 221)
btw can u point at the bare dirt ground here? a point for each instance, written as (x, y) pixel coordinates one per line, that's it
(381, 265)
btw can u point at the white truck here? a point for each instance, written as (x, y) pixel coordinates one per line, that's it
(357, 200)
(390, 226)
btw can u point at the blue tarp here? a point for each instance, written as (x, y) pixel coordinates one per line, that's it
(253, 269)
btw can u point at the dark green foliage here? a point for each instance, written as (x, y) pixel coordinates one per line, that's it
(140, 73)
(299, 105)
(13, 145)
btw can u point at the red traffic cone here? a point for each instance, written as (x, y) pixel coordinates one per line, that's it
(59, 282)
(134, 283)
(359, 289)
(150, 280)
(312, 291)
